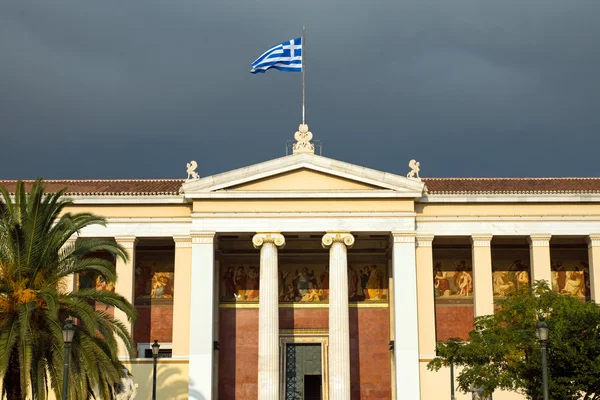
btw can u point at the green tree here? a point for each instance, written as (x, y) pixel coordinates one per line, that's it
(503, 352)
(35, 259)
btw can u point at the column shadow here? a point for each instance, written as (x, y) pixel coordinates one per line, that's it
(354, 354)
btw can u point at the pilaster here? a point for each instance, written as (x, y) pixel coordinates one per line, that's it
(201, 340)
(406, 343)
(182, 294)
(593, 241)
(483, 290)
(268, 314)
(125, 284)
(426, 296)
(339, 323)
(539, 254)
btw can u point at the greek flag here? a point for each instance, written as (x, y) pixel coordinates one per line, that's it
(286, 56)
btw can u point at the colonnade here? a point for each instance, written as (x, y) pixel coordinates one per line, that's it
(413, 308)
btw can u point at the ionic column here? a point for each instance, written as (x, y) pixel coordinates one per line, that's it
(125, 284)
(69, 282)
(339, 325)
(201, 316)
(539, 255)
(594, 261)
(483, 289)
(406, 339)
(182, 289)
(426, 296)
(268, 315)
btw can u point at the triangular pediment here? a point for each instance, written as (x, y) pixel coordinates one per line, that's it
(304, 179)
(303, 175)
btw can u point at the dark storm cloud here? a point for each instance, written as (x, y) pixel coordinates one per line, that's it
(138, 88)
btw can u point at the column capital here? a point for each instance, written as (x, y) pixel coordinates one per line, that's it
(337, 237)
(593, 240)
(202, 237)
(70, 241)
(539, 240)
(126, 241)
(481, 240)
(424, 240)
(403, 237)
(182, 240)
(268, 237)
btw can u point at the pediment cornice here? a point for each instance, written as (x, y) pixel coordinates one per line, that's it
(384, 184)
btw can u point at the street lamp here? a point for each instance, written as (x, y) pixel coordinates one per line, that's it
(542, 335)
(155, 347)
(68, 333)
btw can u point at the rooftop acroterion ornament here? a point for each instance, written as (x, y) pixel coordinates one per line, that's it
(303, 138)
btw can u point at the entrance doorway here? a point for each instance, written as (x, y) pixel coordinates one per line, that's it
(303, 364)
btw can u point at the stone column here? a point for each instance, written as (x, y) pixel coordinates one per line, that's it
(426, 296)
(182, 289)
(339, 325)
(483, 289)
(268, 315)
(539, 256)
(69, 282)
(125, 284)
(201, 316)
(406, 343)
(594, 261)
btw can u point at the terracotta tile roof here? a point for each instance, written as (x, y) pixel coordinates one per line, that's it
(161, 187)
(108, 187)
(512, 185)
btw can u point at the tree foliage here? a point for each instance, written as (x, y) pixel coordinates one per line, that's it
(503, 352)
(35, 259)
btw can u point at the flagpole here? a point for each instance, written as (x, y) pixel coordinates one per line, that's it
(303, 74)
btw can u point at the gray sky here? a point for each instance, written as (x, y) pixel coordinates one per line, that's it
(135, 89)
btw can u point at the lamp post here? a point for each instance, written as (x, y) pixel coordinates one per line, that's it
(68, 333)
(452, 394)
(155, 347)
(542, 334)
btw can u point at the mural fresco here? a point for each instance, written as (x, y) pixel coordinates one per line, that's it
(571, 272)
(510, 270)
(453, 279)
(303, 283)
(154, 276)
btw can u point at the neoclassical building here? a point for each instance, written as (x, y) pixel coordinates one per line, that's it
(304, 277)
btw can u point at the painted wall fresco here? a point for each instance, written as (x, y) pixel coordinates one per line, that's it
(453, 276)
(571, 271)
(510, 270)
(154, 276)
(303, 283)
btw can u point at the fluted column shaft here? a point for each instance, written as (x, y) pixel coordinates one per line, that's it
(594, 261)
(268, 315)
(339, 326)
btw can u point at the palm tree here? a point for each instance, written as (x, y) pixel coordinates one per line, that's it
(35, 259)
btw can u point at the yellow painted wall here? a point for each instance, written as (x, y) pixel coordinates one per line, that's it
(303, 180)
(436, 385)
(312, 205)
(171, 379)
(134, 211)
(506, 209)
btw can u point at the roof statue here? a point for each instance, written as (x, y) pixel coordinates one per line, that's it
(414, 166)
(303, 138)
(191, 171)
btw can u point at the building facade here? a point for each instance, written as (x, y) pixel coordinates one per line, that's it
(307, 278)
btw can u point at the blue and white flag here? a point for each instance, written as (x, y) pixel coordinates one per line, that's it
(286, 56)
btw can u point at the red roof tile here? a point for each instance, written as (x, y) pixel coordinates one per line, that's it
(108, 187)
(512, 185)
